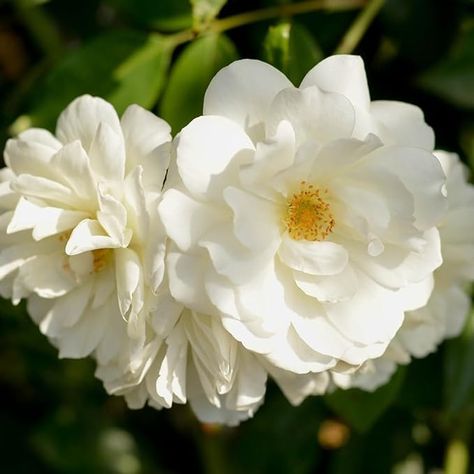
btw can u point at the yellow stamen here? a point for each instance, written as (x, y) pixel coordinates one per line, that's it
(308, 215)
(99, 259)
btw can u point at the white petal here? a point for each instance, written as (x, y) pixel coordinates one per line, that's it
(314, 114)
(186, 220)
(89, 235)
(206, 147)
(398, 266)
(155, 250)
(8, 197)
(167, 312)
(340, 157)
(128, 273)
(416, 295)
(45, 221)
(329, 288)
(257, 222)
(55, 220)
(41, 136)
(47, 275)
(372, 315)
(250, 384)
(171, 381)
(52, 192)
(29, 157)
(232, 259)
(26, 216)
(297, 387)
(81, 119)
(315, 258)
(143, 132)
(321, 336)
(113, 218)
(103, 287)
(136, 216)
(344, 74)
(185, 273)
(422, 174)
(243, 91)
(271, 156)
(404, 124)
(80, 340)
(72, 163)
(66, 310)
(107, 154)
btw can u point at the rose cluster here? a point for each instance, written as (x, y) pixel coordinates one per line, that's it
(307, 234)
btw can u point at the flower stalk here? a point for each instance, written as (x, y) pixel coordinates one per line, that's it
(279, 11)
(361, 24)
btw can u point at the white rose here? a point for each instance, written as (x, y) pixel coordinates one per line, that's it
(445, 313)
(303, 213)
(80, 234)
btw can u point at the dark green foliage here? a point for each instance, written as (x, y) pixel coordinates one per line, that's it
(55, 416)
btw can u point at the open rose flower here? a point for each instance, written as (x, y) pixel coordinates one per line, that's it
(306, 217)
(445, 314)
(80, 234)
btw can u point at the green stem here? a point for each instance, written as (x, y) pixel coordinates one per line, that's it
(213, 451)
(357, 30)
(457, 452)
(279, 11)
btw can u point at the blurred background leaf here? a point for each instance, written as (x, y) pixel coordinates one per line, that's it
(362, 409)
(55, 417)
(190, 76)
(291, 48)
(459, 370)
(453, 77)
(163, 15)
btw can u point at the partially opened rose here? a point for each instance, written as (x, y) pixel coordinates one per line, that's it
(199, 362)
(306, 217)
(80, 234)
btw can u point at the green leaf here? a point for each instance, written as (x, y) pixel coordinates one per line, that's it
(459, 370)
(190, 76)
(453, 78)
(165, 15)
(362, 409)
(142, 76)
(280, 438)
(291, 48)
(88, 69)
(204, 11)
(123, 67)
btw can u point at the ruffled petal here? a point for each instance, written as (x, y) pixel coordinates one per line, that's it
(81, 119)
(243, 92)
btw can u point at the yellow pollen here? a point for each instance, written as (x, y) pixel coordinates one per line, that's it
(64, 236)
(99, 259)
(308, 215)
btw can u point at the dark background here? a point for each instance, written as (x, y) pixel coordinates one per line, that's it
(54, 415)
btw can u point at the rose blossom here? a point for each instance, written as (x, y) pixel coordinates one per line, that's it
(79, 209)
(305, 217)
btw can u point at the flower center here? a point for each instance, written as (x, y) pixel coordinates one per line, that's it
(308, 215)
(99, 259)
